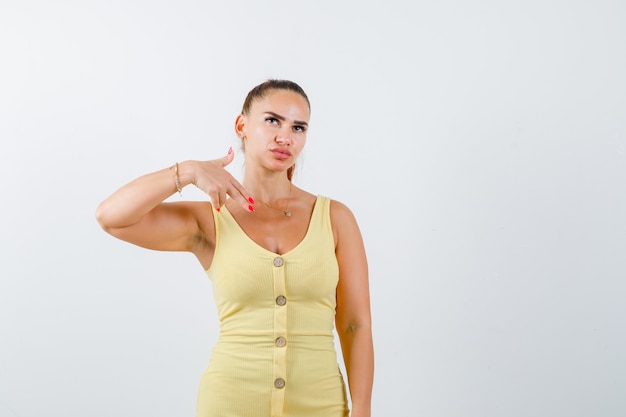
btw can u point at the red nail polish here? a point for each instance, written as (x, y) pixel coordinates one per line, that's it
(250, 208)
(251, 200)
(230, 150)
(218, 209)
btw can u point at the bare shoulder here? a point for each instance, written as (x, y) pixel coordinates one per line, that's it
(339, 211)
(343, 222)
(200, 207)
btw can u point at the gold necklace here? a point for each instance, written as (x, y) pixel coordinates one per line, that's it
(286, 212)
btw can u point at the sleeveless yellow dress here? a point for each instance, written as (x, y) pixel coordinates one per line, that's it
(275, 356)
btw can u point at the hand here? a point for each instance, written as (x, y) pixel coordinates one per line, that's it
(214, 180)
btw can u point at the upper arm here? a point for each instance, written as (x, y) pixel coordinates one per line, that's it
(175, 226)
(353, 299)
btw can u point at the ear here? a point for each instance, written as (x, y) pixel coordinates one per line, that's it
(240, 126)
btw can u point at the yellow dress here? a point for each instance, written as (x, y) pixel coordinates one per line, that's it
(275, 356)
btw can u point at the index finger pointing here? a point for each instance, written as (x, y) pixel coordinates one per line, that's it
(243, 196)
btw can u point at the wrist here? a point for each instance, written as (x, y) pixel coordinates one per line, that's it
(186, 173)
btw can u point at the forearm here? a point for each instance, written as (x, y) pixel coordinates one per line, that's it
(358, 354)
(130, 203)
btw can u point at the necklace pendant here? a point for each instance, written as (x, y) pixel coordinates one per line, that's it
(287, 213)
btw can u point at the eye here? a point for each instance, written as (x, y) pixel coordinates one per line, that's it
(299, 128)
(271, 120)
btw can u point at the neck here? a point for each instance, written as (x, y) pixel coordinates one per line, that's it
(267, 188)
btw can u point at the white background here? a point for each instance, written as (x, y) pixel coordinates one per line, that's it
(481, 145)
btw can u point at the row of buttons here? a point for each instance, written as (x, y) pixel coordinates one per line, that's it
(281, 300)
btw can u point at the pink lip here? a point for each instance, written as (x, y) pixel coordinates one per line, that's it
(281, 153)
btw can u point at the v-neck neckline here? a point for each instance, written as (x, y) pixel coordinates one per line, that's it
(263, 248)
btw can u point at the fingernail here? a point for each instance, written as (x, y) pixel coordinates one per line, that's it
(250, 208)
(230, 150)
(251, 200)
(218, 209)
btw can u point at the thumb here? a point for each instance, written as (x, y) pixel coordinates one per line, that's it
(229, 157)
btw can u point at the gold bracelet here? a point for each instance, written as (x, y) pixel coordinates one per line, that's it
(176, 179)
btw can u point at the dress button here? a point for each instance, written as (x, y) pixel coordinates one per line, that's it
(281, 341)
(281, 300)
(278, 261)
(279, 383)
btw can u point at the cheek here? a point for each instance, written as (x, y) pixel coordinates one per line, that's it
(263, 132)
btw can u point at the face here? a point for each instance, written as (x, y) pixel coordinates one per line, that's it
(274, 130)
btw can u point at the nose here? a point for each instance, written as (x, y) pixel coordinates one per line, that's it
(283, 137)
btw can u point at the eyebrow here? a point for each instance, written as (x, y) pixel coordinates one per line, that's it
(282, 119)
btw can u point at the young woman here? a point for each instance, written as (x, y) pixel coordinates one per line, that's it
(285, 265)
